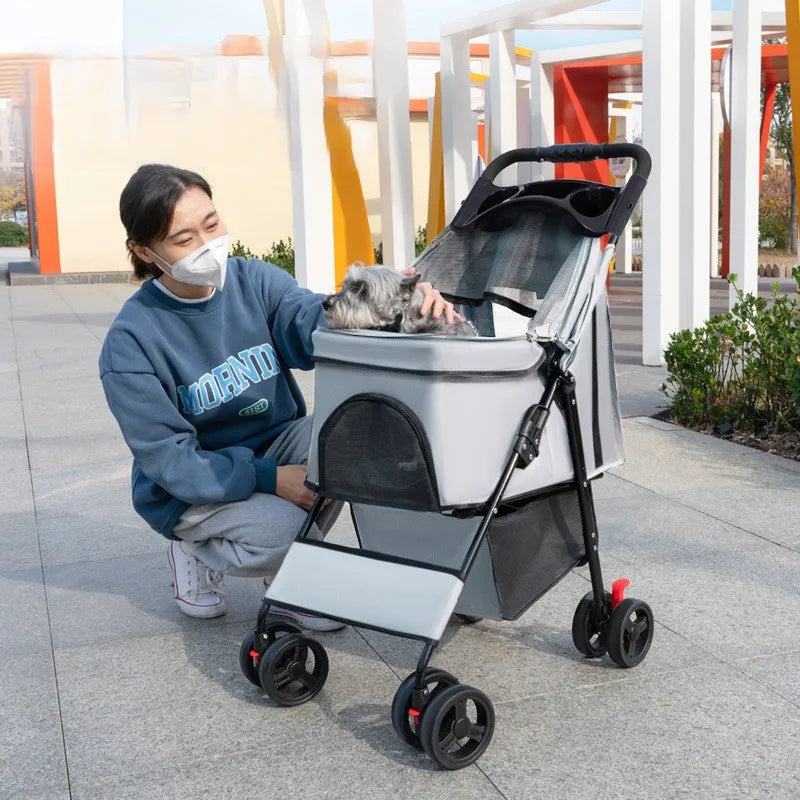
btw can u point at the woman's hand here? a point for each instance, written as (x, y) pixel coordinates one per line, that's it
(289, 484)
(433, 303)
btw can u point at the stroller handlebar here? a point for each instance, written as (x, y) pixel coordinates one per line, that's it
(570, 153)
(622, 208)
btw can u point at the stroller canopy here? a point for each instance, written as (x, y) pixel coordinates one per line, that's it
(534, 248)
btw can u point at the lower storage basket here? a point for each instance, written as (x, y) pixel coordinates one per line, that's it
(532, 546)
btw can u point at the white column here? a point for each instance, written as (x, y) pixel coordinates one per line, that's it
(746, 101)
(660, 54)
(623, 258)
(694, 161)
(456, 119)
(390, 73)
(542, 115)
(714, 209)
(503, 92)
(524, 130)
(312, 202)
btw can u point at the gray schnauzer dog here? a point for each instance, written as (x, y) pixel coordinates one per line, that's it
(381, 299)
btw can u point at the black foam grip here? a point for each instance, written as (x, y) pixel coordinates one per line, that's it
(571, 153)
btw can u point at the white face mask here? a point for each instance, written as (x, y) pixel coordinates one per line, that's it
(205, 266)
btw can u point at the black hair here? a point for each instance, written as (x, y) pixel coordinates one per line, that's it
(147, 204)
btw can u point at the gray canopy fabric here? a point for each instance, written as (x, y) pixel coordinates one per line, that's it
(513, 260)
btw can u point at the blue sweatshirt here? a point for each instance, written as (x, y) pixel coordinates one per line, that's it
(200, 390)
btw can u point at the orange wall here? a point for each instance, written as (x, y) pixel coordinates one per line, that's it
(581, 115)
(44, 186)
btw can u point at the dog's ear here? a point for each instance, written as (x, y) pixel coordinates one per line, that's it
(408, 287)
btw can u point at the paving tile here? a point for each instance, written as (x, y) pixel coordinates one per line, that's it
(729, 481)
(711, 582)
(780, 673)
(23, 615)
(31, 747)
(19, 541)
(174, 715)
(111, 600)
(704, 732)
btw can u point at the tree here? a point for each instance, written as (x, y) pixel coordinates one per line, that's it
(782, 136)
(12, 193)
(773, 206)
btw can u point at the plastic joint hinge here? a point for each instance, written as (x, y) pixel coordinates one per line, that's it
(530, 435)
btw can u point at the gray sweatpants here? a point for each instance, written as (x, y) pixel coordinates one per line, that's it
(249, 538)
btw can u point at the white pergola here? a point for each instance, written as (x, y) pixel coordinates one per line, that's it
(680, 200)
(304, 46)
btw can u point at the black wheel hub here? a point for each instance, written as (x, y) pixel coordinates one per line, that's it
(462, 728)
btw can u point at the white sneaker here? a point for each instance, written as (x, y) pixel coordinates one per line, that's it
(198, 589)
(307, 621)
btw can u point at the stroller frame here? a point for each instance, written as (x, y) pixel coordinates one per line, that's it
(603, 622)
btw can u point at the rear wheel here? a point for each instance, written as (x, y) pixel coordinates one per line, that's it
(630, 632)
(588, 634)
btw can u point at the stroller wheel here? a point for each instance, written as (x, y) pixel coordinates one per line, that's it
(457, 726)
(630, 633)
(403, 722)
(467, 619)
(248, 662)
(293, 669)
(587, 635)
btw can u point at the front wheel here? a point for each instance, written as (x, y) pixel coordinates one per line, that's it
(293, 669)
(405, 724)
(457, 726)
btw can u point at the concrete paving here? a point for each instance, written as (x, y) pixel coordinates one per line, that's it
(107, 691)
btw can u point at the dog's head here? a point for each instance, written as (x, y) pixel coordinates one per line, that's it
(371, 298)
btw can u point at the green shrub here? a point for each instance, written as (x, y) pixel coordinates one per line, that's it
(12, 234)
(742, 367)
(419, 245)
(280, 253)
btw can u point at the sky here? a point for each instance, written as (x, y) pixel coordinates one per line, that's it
(96, 26)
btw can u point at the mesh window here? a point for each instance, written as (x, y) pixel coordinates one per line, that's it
(373, 449)
(533, 547)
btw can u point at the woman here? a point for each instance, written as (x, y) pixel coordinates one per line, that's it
(195, 369)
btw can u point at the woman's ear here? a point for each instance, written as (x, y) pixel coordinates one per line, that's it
(142, 253)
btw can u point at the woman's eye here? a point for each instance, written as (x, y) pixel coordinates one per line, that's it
(184, 243)
(213, 225)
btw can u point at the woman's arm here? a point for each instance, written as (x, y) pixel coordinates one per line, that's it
(165, 445)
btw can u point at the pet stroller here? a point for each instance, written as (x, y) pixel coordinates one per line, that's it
(468, 462)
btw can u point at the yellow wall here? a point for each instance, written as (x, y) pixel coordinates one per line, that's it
(216, 115)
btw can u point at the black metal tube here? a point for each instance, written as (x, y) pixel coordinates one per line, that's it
(311, 517)
(422, 666)
(584, 490)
